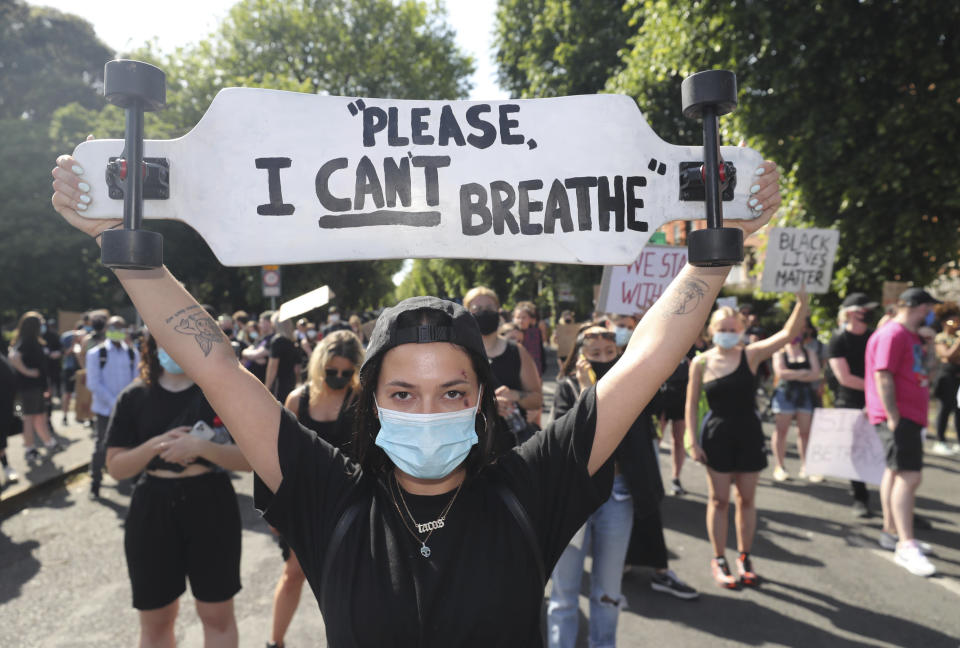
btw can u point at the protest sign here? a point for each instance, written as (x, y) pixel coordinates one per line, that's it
(305, 303)
(633, 288)
(799, 259)
(844, 444)
(730, 302)
(271, 177)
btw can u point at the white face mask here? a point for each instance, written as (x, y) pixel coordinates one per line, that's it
(726, 340)
(427, 446)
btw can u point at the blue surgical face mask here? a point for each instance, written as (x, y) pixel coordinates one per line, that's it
(622, 334)
(427, 446)
(169, 364)
(726, 340)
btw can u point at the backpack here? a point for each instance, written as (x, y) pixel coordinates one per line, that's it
(102, 355)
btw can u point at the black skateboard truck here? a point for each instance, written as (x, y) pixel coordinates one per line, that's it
(708, 95)
(136, 87)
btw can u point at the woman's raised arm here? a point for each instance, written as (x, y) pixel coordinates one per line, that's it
(666, 333)
(185, 331)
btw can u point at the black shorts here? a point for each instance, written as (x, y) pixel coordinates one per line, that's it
(32, 401)
(733, 445)
(673, 402)
(183, 528)
(903, 445)
(69, 381)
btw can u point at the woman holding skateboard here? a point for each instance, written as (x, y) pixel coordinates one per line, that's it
(421, 526)
(730, 440)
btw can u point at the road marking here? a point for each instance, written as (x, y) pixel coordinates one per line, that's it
(947, 582)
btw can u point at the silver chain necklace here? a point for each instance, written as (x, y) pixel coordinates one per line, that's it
(427, 527)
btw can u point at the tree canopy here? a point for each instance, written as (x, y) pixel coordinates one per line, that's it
(856, 101)
(351, 47)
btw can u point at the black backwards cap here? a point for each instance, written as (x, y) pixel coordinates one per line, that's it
(462, 330)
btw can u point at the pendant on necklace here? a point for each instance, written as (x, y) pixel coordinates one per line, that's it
(425, 551)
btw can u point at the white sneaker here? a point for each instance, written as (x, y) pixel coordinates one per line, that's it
(889, 542)
(910, 557)
(10, 474)
(941, 449)
(955, 448)
(779, 474)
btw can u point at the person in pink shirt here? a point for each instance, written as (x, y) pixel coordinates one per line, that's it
(898, 365)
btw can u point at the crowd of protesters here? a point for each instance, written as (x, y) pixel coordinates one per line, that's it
(144, 414)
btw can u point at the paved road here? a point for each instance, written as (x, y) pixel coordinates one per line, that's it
(63, 578)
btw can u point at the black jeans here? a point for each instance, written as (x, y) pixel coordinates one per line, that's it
(946, 393)
(99, 452)
(858, 489)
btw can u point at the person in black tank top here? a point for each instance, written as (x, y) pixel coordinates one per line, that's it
(324, 404)
(730, 439)
(794, 398)
(519, 388)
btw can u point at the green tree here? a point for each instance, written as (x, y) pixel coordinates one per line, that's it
(47, 59)
(551, 48)
(857, 101)
(344, 47)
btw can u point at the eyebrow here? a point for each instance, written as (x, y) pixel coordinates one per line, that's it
(406, 385)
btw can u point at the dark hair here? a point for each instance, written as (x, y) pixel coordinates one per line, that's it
(373, 459)
(28, 329)
(570, 364)
(98, 322)
(946, 310)
(149, 361)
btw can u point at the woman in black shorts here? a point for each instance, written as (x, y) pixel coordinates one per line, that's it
(183, 521)
(325, 405)
(427, 537)
(731, 440)
(29, 358)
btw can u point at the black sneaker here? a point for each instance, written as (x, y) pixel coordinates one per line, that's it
(31, 455)
(677, 489)
(668, 583)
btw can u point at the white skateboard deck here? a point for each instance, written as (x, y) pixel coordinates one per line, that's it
(273, 177)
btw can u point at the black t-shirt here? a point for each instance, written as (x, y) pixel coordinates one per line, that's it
(479, 587)
(288, 356)
(34, 356)
(142, 412)
(852, 348)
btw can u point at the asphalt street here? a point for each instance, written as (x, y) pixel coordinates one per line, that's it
(63, 579)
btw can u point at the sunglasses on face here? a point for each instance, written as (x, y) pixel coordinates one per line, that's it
(476, 308)
(345, 373)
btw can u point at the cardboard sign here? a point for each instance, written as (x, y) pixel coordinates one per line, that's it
(799, 258)
(630, 289)
(272, 177)
(305, 303)
(566, 337)
(844, 444)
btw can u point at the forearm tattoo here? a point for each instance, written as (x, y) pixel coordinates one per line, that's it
(685, 298)
(195, 321)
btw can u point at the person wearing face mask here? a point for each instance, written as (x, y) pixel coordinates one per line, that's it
(518, 385)
(325, 405)
(795, 369)
(626, 529)
(730, 440)
(426, 536)
(111, 366)
(183, 522)
(334, 323)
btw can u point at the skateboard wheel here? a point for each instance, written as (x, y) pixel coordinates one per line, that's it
(721, 246)
(716, 88)
(127, 82)
(132, 249)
